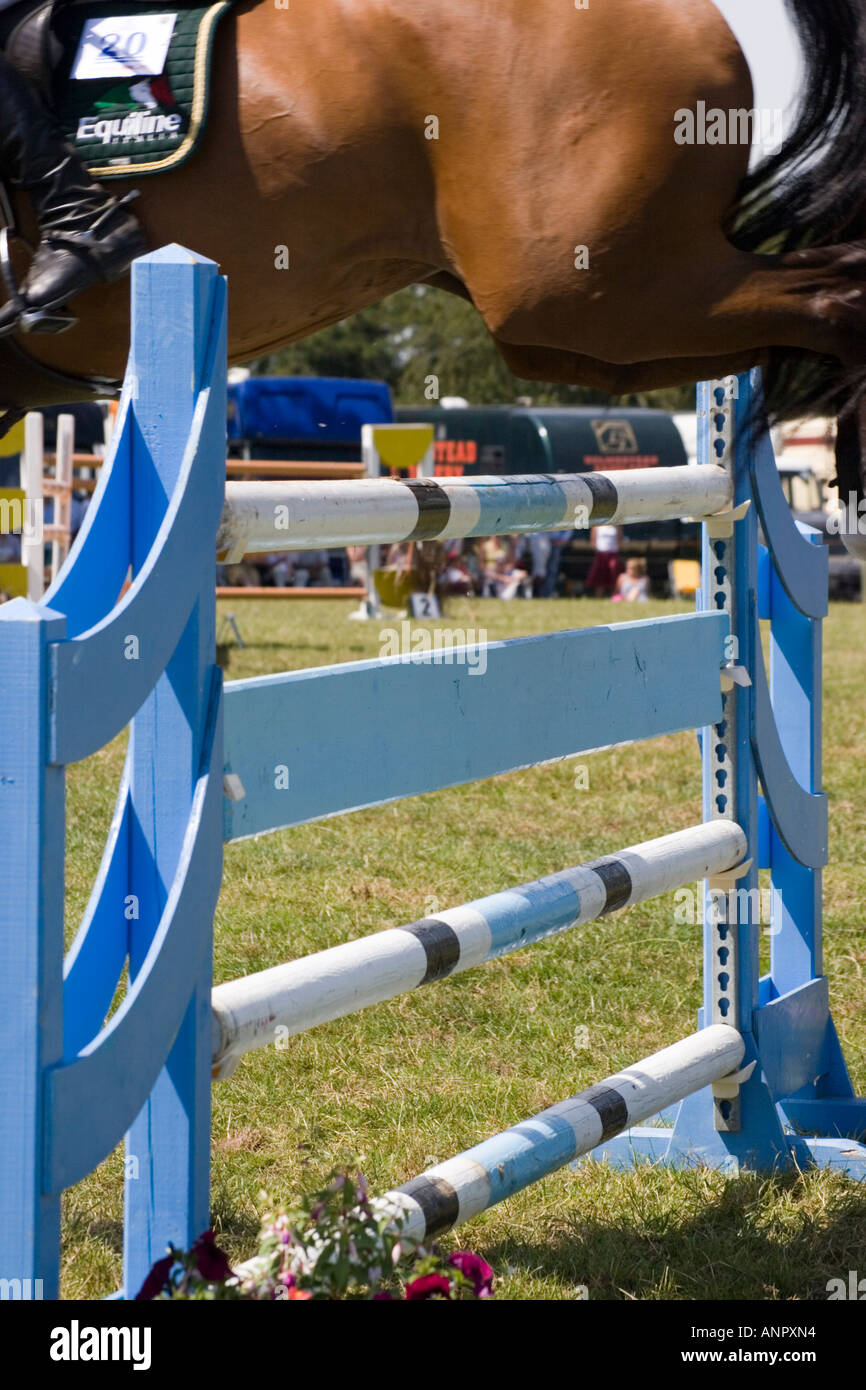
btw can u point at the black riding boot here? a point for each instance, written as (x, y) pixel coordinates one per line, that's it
(86, 235)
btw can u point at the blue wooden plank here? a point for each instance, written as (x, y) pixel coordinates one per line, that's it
(32, 832)
(800, 818)
(110, 1079)
(98, 954)
(179, 358)
(803, 568)
(98, 563)
(104, 674)
(309, 744)
(839, 1115)
(803, 1014)
(796, 661)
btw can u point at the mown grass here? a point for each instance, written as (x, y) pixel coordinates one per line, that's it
(426, 1075)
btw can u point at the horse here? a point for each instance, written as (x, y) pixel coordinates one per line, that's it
(530, 158)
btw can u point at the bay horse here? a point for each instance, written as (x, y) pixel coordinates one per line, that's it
(524, 155)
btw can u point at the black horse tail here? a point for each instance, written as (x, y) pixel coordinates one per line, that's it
(812, 191)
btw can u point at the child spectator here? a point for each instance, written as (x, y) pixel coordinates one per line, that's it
(633, 586)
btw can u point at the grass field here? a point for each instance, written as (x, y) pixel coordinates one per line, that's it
(422, 1077)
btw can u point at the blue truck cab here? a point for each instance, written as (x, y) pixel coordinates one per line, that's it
(304, 418)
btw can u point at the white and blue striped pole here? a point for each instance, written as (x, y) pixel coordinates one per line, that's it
(272, 516)
(452, 1192)
(253, 1011)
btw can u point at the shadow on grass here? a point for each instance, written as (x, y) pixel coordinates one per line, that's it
(756, 1238)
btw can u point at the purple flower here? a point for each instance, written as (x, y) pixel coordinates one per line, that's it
(156, 1279)
(428, 1286)
(211, 1262)
(475, 1269)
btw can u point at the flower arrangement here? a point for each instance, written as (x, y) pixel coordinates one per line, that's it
(335, 1244)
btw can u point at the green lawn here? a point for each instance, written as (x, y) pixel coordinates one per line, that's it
(418, 1079)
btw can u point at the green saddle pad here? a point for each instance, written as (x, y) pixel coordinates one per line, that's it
(143, 124)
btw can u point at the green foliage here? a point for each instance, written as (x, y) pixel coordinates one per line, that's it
(422, 333)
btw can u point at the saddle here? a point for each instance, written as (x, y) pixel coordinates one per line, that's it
(125, 116)
(30, 44)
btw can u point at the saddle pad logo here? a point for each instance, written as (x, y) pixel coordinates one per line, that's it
(614, 436)
(148, 115)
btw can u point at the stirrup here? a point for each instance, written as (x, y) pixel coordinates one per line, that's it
(27, 320)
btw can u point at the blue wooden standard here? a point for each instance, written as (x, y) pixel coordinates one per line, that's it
(76, 668)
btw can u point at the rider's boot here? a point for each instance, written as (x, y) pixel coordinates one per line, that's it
(86, 235)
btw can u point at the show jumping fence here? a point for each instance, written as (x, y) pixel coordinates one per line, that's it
(762, 1084)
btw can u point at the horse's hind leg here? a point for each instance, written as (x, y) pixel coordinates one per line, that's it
(725, 303)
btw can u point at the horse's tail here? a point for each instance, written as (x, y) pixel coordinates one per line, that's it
(812, 191)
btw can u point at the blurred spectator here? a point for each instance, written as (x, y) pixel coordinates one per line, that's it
(503, 577)
(456, 578)
(558, 541)
(300, 569)
(540, 548)
(633, 586)
(607, 565)
(399, 556)
(357, 557)
(10, 548)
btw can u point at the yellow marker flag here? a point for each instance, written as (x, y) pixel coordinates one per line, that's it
(402, 446)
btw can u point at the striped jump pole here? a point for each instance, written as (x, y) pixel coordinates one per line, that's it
(330, 984)
(273, 516)
(453, 1192)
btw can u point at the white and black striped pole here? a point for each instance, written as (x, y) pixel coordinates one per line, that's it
(255, 1010)
(275, 516)
(452, 1192)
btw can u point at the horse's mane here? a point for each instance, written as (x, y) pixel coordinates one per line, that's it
(812, 191)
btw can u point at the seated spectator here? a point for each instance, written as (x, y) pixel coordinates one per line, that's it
(503, 577)
(456, 578)
(399, 556)
(633, 586)
(299, 569)
(492, 554)
(241, 576)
